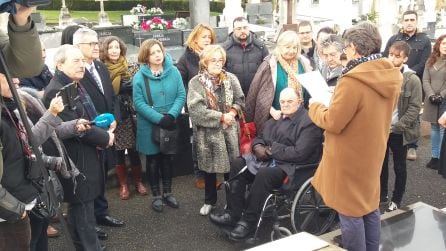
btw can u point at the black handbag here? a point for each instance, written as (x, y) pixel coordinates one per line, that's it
(166, 139)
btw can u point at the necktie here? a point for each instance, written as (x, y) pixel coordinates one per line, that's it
(96, 79)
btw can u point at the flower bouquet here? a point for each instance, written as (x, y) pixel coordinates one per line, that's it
(156, 23)
(155, 11)
(180, 23)
(138, 9)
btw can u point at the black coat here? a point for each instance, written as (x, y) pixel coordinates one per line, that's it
(103, 102)
(82, 150)
(188, 66)
(244, 61)
(294, 141)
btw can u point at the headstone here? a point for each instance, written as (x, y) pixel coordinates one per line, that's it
(233, 9)
(220, 32)
(170, 37)
(123, 32)
(38, 21)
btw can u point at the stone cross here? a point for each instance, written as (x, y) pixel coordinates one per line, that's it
(103, 16)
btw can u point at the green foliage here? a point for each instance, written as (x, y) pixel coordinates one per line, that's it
(111, 5)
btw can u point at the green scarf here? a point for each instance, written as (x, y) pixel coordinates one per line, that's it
(118, 72)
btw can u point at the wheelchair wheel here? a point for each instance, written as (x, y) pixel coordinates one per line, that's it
(309, 212)
(279, 233)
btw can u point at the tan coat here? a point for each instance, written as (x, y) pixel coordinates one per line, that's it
(434, 82)
(357, 126)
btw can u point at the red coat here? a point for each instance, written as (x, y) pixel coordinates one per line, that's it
(357, 125)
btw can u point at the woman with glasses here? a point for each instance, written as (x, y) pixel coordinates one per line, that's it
(277, 72)
(159, 96)
(112, 54)
(214, 99)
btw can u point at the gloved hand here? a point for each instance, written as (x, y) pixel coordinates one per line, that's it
(436, 99)
(261, 152)
(167, 122)
(52, 162)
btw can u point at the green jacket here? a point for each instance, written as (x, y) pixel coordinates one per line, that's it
(409, 105)
(22, 49)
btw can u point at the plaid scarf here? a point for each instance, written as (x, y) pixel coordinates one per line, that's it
(355, 62)
(291, 69)
(211, 84)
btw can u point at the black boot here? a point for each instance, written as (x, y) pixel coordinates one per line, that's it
(434, 163)
(166, 176)
(153, 165)
(224, 219)
(242, 230)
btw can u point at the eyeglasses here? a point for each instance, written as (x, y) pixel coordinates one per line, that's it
(92, 44)
(217, 60)
(345, 48)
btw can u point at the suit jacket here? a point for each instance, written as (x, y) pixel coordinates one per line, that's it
(103, 102)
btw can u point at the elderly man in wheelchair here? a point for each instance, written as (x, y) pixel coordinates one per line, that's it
(283, 144)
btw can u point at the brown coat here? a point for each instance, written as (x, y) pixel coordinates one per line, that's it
(357, 126)
(261, 92)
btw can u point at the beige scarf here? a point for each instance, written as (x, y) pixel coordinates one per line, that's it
(291, 70)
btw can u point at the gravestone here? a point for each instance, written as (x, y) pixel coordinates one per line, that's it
(170, 37)
(220, 32)
(123, 32)
(39, 21)
(260, 13)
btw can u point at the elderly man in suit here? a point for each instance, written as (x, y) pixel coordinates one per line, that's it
(97, 84)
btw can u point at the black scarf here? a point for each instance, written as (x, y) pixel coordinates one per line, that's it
(355, 62)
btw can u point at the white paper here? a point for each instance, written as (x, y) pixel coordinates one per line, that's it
(302, 241)
(316, 86)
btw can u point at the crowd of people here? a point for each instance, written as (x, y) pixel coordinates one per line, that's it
(215, 85)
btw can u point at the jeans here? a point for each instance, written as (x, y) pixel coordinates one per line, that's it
(436, 137)
(395, 144)
(361, 233)
(39, 238)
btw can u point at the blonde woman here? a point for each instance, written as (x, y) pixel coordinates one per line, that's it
(201, 36)
(214, 100)
(277, 72)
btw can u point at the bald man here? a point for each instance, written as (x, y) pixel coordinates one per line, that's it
(283, 144)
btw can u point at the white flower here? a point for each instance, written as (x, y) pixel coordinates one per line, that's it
(180, 23)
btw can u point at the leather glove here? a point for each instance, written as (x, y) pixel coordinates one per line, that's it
(167, 122)
(261, 152)
(436, 99)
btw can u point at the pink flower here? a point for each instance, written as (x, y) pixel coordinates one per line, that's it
(145, 25)
(169, 24)
(156, 20)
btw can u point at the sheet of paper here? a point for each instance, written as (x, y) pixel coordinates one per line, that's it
(316, 86)
(302, 241)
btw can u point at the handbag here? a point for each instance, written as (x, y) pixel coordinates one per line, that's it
(248, 132)
(166, 139)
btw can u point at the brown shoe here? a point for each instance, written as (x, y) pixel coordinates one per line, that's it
(51, 232)
(199, 183)
(121, 173)
(137, 176)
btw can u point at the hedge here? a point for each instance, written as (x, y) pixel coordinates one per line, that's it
(127, 5)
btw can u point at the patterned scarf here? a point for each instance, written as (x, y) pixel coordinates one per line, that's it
(118, 71)
(355, 62)
(211, 84)
(291, 70)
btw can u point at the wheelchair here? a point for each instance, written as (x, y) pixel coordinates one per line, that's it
(298, 202)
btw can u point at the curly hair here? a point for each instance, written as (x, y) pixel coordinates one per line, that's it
(103, 48)
(435, 51)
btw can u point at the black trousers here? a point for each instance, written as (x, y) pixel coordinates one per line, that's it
(15, 236)
(160, 166)
(81, 223)
(236, 194)
(39, 237)
(210, 189)
(399, 152)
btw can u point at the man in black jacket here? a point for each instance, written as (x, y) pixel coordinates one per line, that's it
(97, 83)
(283, 144)
(81, 149)
(420, 50)
(244, 53)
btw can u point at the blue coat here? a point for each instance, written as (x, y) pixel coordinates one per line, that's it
(168, 95)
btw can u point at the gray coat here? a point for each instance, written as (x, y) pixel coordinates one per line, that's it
(215, 146)
(434, 82)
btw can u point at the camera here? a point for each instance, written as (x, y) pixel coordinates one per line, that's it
(8, 5)
(70, 95)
